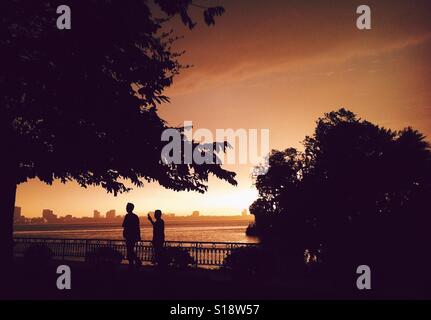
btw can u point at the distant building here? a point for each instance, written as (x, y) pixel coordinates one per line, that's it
(195, 214)
(37, 220)
(17, 214)
(110, 214)
(96, 214)
(244, 213)
(49, 216)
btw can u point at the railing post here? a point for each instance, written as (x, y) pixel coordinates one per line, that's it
(85, 248)
(63, 249)
(197, 254)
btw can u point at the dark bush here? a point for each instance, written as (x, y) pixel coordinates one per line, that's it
(251, 230)
(247, 261)
(37, 254)
(179, 258)
(104, 256)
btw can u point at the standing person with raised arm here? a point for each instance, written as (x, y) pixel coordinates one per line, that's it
(158, 235)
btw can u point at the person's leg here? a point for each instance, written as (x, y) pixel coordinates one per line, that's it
(130, 252)
(135, 256)
(155, 254)
(158, 251)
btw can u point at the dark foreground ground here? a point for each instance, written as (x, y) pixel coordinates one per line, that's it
(149, 283)
(89, 282)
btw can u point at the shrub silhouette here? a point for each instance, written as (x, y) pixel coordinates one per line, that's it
(178, 258)
(251, 230)
(104, 256)
(37, 254)
(247, 261)
(358, 194)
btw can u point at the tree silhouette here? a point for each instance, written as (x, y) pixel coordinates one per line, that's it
(357, 194)
(81, 104)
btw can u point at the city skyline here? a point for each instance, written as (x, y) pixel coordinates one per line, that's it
(49, 214)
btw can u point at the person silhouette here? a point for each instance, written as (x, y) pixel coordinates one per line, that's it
(158, 235)
(132, 234)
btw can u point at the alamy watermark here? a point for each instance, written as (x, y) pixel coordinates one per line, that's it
(64, 21)
(363, 22)
(364, 280)
(64, 280)
(227, 146)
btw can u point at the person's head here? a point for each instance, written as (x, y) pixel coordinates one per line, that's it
(157, 214)
(129, 207)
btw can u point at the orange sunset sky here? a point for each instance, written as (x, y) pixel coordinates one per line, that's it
(277, 65)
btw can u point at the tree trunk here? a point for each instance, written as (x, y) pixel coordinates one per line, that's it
(7, 204)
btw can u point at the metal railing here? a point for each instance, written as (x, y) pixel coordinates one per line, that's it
(203, 253)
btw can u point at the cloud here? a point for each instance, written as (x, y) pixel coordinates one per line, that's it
(258, 38)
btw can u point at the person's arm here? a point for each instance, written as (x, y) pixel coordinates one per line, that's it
(150, 219)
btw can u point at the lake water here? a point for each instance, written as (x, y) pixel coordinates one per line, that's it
(233, 231)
